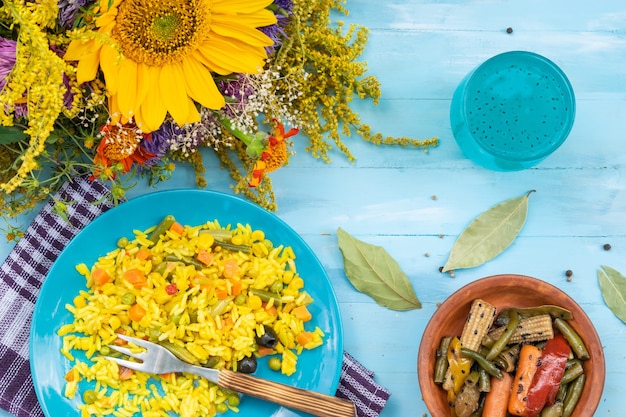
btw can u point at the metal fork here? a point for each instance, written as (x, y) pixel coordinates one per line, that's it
(157, 359)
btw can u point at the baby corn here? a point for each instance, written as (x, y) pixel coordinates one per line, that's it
(479, 321)
(530, 329)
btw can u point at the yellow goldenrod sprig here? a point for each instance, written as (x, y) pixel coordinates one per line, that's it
(36, 78)
(324, 62)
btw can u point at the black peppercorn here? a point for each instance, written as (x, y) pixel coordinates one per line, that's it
(509, 30)
(607, 246)
(569, 273)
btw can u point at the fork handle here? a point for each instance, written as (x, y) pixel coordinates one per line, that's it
(296, 398)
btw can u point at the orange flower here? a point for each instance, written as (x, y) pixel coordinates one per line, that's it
(274, 156)
(123, 144)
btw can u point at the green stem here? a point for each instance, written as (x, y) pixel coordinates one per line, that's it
(234, 131)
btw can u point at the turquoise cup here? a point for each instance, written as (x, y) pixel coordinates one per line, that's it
(513, 111)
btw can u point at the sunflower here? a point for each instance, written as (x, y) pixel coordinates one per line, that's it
(158, 56)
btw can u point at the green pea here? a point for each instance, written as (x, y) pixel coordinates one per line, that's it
(122, 242)
(154, 334)
(128, 299)
(221, 408)
(233, 400)
(105, 350)
(90, 396)
(277, 287)
(274, 363)
(240, 299)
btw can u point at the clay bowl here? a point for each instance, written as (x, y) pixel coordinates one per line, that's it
(506, 291)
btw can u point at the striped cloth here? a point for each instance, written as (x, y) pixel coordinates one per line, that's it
(24, 270)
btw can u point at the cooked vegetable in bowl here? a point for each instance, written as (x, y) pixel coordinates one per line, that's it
(510, 345)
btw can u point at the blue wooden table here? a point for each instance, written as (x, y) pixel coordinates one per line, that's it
(415, 204)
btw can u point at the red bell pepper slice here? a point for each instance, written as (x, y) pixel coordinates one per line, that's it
(545, 384)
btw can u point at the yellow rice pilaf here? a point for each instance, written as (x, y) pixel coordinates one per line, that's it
(192, 293)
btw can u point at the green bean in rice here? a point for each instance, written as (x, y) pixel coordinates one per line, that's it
(206, 292)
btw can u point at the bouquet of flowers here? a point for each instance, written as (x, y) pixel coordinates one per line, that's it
(117, 89)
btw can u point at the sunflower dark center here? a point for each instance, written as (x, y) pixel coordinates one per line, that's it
(158, 32)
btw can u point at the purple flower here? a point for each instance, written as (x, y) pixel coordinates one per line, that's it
(276, 32)
(7, 59)
(238, 90)
(160, 142)
(68, 9)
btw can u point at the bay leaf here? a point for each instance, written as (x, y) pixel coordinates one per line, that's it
(488, 234)
(613, 287)
(372, 271)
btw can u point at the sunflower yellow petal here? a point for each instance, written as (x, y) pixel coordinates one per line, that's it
(78, 49)
(174, 92)
(127, 93)
(242, 6)
(257, 19)
(242, 33)
(109, 6)
(105, 19)
(193, 115)
(233, 55)
(110, 64)
(143, 83)
(210, 63)
(87, 67)
(141, 123)
(153, 110)
(114, 110)
(200, 85)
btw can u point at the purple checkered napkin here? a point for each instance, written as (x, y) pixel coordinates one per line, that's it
(24, 270)
(21, 277)
(357, 384)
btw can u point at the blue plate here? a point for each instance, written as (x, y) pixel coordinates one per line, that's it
(318, 369)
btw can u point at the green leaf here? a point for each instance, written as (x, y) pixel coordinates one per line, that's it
(613, 287)
(488, 234)
(11, 134)
(375, 273)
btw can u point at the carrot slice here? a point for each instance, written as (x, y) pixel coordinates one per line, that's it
(235, 287)
(264, 351)
(272, 311)
(143, 254)
(302, 313)
(136, 312)
(125, 373)
(177, 228)
(221, 293)
(304, 338)
(136, 277)
(100, 277)
(497, 399)
(231, 268)
(205, 257)
(526, 367)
